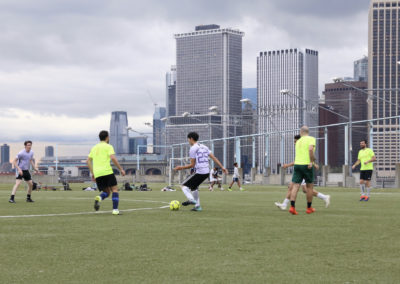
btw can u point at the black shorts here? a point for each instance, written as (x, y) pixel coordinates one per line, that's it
(235, 179)
(26, 175)
(107, 181)
(366, 175)
(194, 181)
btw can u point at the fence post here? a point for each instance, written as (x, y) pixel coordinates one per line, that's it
(346, 144)
(212, 151)
(266, 154)
(224, 161)
(326, 146)
(237, 152)
(253, 152)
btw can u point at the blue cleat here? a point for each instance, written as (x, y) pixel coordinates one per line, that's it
(197, 208)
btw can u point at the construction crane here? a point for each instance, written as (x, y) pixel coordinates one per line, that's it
(151, 98)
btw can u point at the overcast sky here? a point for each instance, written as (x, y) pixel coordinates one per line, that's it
(65, 65)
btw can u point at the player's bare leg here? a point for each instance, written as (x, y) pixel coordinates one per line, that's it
(14, 190)
(309, 194)
(30, 187)
(293, 197)
(285, 202)
(326, 198)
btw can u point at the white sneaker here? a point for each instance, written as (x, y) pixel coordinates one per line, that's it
(222, 188)
(280, 206)
(116, 212)
(327, 201)
(241, 189)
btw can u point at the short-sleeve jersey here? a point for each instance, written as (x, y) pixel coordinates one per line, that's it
(200, 153)
(100, 154)
(24, 159)
(302, 146)
(365, 155)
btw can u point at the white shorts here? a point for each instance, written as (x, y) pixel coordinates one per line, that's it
(213, 180)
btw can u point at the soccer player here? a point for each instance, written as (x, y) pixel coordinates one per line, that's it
(236, 177)
(366, 157)
(303, 169)
(324, 197)
(199, 155)
(102, 172)
(214, 179)
(21, 163)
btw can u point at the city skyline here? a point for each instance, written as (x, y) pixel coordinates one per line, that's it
(85, 83)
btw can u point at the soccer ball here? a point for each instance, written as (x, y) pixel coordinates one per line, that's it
(174, 205)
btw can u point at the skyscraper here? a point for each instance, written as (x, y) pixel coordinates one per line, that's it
(361, 69)
(119, 132)
(49, 151)
(136, 141)
(159, 129)
(208, 74)
(5, 154)
(296, 71)
(383, 77)
(171, 91)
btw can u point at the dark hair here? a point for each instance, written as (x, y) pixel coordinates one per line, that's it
(194, 136)
(235, 164)
(364, 140)
(103, 135)
(297, 137)
(27, 142)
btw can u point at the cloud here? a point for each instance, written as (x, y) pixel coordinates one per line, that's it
(79, 60)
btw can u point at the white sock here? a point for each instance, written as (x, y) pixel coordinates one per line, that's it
(368, 191)
(286, 202)
(362, 187)
(188, 193)
(321, 196)
(196, 197)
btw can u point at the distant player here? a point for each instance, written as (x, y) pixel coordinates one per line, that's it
(22, 163)
(214, 179)
(102, 172)
(283, 205)
(199, 155)
(366, 157)
(303, 169)
(236, 177)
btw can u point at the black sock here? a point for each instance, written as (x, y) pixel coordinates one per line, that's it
(12, 197)
(293, 203)
(28, 196)
(308, 204)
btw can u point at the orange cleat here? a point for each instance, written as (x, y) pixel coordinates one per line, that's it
(293, 211)
(310, 210)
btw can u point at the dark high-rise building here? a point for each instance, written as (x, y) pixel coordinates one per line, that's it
(337, 99)
(159, 130)
(119, 132)
(384, 78)
(361, 69)
(325, 118)
(135, 141)
(5, 154)
(49, 151)
(171, 92)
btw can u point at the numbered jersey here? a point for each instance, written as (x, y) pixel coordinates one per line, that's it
(200, 153)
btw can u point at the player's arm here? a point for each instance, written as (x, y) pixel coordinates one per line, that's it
(215, 159)
(285, 166)
(312, 156)
(116, 163)
(190, 166)
(33, 163)
(356, 164)
(15, 164)
(373, 159)
(89, 163)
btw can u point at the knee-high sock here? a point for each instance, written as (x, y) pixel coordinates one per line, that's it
(103, 195)
(115, 200)
(362, 187)
(187, 192)
(368, 191)
(196, 197)
(321, 196)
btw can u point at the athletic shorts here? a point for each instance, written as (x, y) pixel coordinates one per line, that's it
(235, 179)
(303, 172)
(194, 181)
(107, 181)
(213, 180)
(26, 175)
(366, 175)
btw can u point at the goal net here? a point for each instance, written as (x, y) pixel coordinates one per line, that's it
(177, 177)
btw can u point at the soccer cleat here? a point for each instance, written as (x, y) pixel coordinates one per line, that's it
(229, 189)
(327, 201)
(362, 198)
(197, 208)
(293, 211)
(29, 200)
(280, 206)
(310, 210)
(12, 201)
(242, 189)
(366, 198)
(116, 212)
(97, 201)
(188, 202)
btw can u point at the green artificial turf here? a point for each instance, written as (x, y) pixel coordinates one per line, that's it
(240, 237)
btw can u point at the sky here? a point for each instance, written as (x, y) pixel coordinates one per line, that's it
(65, 65)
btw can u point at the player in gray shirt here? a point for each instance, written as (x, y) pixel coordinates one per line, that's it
(22, 163)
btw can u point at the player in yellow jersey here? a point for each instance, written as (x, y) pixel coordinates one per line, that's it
(366, 157)
(303, 169)
(99, 163)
